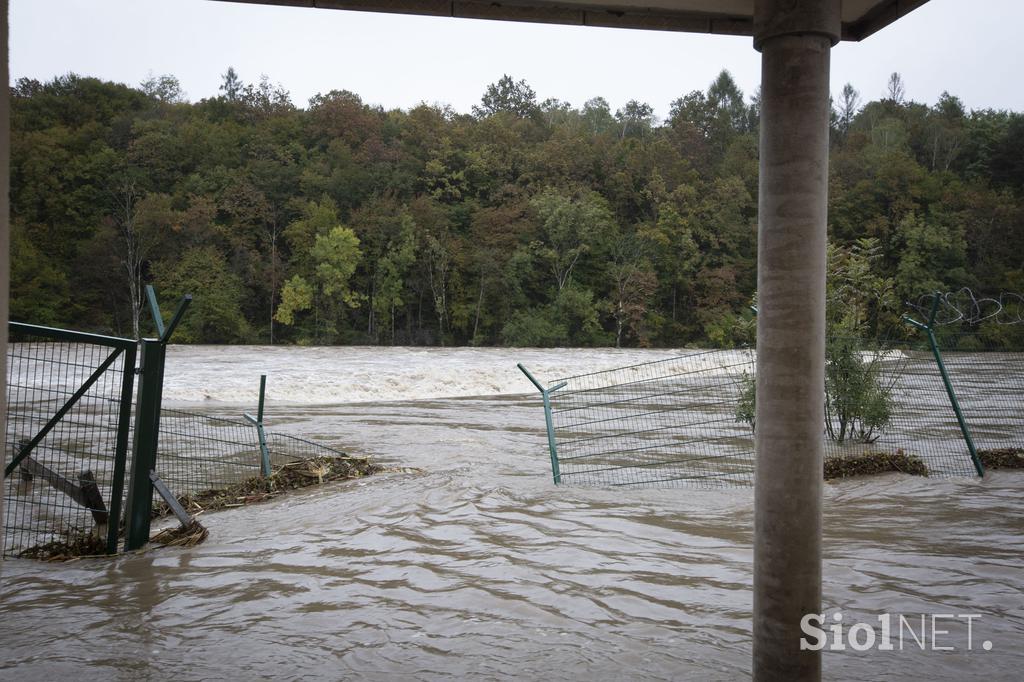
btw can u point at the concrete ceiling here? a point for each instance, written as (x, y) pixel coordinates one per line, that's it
(860, 18)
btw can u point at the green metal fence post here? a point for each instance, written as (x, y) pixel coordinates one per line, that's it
(261, 435)
(263, 394)
(552, 447)
(548, 422)
(139, 506)
(121, 448)
(933, 343)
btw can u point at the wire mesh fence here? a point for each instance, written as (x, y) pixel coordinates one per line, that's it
(989, 379)
(689, 421)
(69, 399)
(909, 413)
(665, 423)
(69, 428)
(285, 449)
(200, 452)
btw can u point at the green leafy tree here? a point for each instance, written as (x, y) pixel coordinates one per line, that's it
(335, 256)
(858, 395)
(231, 85)
(597, 116)
(508, 96)
(635, 119)
(390, 282)
(571, 319)
(933, 257)
(215, 315)
(39, 291)
(165, 89)
(296, 296)
(570, 227)
(633, 287)
(516, 210)
(849, 104)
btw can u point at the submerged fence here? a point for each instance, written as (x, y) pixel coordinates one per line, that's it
(989, 383)
(73, 423)
(657, 423)
(69, 405)
(688, 421)
(201, 453)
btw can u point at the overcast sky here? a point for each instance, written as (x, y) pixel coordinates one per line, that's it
(970, 48)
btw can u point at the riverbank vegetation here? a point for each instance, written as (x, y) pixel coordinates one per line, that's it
(525, 222)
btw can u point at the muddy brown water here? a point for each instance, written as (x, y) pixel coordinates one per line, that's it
(479, 568)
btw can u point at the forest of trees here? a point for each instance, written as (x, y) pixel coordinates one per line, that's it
(522, 223)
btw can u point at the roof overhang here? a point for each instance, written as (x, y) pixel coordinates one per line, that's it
(860, 18)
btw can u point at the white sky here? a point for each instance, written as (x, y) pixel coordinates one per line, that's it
(969, 47)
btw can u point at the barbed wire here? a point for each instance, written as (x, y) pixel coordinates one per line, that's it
(965, 307)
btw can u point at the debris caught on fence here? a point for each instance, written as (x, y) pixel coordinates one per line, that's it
(188, 535)
(290, 476)
(874, 462)
(1002, 458)
(73, 543)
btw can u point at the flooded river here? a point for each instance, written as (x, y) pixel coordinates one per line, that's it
(477, 567)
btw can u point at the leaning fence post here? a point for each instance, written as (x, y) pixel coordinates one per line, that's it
(929, 329)
(261, 435)
(139, 505)
(264, 451)
(545, 394)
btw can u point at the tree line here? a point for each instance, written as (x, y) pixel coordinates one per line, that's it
(520, 223)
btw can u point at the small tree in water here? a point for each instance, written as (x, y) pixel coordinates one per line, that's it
(858, 395)
(858, 402)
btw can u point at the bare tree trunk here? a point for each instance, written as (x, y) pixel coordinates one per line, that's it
(437, 276)
(370, 332)
(273, 275)
(419, 314)
(316, 317)
(479, 304)
(133, 256)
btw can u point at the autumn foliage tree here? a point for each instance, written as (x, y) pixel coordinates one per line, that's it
(526, 222)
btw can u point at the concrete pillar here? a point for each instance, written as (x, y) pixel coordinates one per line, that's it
(794, 37)
(5, 250)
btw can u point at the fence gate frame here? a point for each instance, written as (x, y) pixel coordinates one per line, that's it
(119, 347)
(138, 513)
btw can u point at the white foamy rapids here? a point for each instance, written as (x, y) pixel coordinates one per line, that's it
(330, 375)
